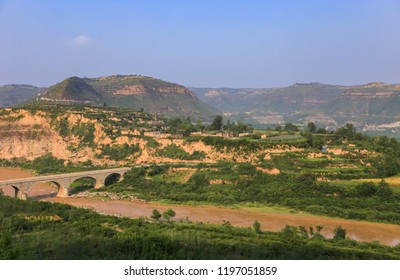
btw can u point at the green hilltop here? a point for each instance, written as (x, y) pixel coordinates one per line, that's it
(72, 89)
(130, 91)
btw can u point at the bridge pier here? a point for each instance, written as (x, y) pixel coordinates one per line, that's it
(64, 192)
(20, 190)
(20, 194)
(63, 185)
(100, 182)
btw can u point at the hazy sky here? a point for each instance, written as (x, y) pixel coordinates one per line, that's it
(204, 43)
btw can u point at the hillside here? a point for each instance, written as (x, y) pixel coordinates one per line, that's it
(270, 100)
(135, 92)
(231, 100)
(372, 108)
(268, 170)
(71, 90)
(371, 100)
(298, 97)
(11, 95)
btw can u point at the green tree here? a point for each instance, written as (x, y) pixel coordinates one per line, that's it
(311, 127)
(180, 126)
(64, 128)
(7, 250)
(156, 215)
(199, 126)
(384, 190)
(257, 227)
(339, 233)
(168, 214)
(290, 127)
(217, 123)
(348, 132)
(321, 131)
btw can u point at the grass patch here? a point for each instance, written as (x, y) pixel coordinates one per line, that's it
(393, 181)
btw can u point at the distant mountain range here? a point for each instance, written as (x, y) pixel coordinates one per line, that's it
(373, 108)
(129, 91)
(11, 95)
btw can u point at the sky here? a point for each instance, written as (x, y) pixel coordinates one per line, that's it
(202, 43)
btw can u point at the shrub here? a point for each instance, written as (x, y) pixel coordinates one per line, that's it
(168, 214)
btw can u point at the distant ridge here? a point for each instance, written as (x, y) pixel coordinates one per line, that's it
(130, 91)
(373, 107)
(14, 94)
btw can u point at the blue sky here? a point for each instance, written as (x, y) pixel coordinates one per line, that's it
(203, 43)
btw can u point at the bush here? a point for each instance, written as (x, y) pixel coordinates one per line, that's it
(119, 152)
(168, 214)
(48, 164)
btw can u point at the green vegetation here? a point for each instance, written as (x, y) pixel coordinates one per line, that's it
(168, 214)
(138, 92)
(315, 171)
(156, 215)
(12, 95)
(119, 152)
(217, 123)
(180, 126)
(300, 103)
(38, 230)
(85, 133)
(175, 152)
(82, 184)
(241, 183)
(71, 89)
(48, 164)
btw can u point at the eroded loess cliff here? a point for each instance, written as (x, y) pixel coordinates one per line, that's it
(102, 136)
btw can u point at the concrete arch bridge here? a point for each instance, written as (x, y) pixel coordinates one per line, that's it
(63, 181)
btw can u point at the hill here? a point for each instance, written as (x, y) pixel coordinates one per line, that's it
(276, 169)
(273, 100)
(11, 95)
(130, 91)
(71, 90)
(372, 108)
(371, 100)
(232, 100)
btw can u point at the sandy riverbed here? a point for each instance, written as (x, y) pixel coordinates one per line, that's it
(362, 231)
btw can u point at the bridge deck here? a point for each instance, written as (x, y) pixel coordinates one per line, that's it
(63, 176)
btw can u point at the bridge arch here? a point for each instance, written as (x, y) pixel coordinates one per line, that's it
(18, 192)
(113, 178)
(63, 188)
(82, 183)
(9, 190)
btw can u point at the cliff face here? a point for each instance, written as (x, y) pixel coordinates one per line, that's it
(131, 90)
(28, 136)
(103, 136)
(31, 134)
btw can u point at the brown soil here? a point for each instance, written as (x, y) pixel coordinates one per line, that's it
(362, 231)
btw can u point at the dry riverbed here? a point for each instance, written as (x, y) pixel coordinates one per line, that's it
(271, 221)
